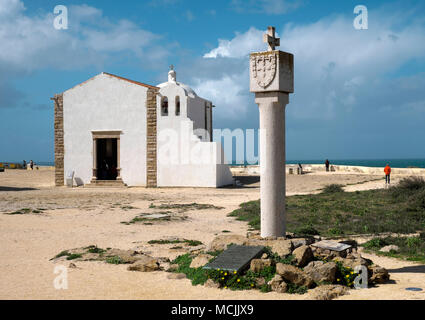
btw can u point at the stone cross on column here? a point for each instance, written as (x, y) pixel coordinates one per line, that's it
(272, 80)
(270, 39)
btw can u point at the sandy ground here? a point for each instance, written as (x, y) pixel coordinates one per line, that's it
(85, 216)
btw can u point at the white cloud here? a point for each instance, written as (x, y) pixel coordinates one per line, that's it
(336, 66)
(228, 94)
(240, 46)
(29, 43)
(9, 8)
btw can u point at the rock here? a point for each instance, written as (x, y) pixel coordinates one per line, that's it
(264, 256)
(352, 243)
(72, 266)
(259, 264)
(389, 248)
(201, 260)
(298, 242)
(282, 247)
(172, 267)
(211, 284)
(277, 284)
(221, 242)
(253, 235)
(324, 254)
(303, 255)
(176, 276)
(321, 272)
(145, 264)
(312, 265)
(379, 274)
(126, 256)
(260, 282)
(294, 275)
(328, 292)
(197, 249)
(352, 263)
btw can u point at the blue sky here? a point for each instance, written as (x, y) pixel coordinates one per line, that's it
(358, 93)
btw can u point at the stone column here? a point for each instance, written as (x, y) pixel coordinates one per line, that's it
(272, 79)
(272, 156)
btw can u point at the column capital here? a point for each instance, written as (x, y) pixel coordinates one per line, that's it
(271, 97)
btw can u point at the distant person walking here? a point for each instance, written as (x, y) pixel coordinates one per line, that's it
(32, 165)
(327, 163)
(24, 165)
(387, 171)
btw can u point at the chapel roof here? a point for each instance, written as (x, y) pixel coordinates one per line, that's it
(118, 77)
(172, 80)
(132, 81)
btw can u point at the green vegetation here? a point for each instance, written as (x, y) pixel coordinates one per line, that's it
(191, 243)
(410, 248)
(95, 249)
(333, 188)
(114, 260)
(232, 280)
(68, 255)
(399, 209)
(249, 211)
(148, 220)
(73, 256)
(25, 211)
(344, 275)
(185, 206)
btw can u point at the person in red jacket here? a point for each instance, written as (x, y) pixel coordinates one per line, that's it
(387, 171)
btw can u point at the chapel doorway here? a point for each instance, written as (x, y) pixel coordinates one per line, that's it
(107, 160)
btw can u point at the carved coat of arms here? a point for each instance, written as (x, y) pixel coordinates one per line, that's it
(263, 68)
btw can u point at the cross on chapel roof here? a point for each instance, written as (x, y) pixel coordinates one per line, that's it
(270, 39)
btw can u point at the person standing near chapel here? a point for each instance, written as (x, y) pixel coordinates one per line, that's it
(387, 171)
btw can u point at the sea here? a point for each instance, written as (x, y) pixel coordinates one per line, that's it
(374, 163)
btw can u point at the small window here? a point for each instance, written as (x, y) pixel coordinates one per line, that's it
(177, 106)
(164, 106)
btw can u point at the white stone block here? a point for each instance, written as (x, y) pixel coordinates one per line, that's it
(272, 71)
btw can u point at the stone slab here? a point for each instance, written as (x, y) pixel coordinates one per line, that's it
(236, 258)
(155, 216)
(331, 245)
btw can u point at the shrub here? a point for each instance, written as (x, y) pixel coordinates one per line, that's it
(308, 231)
(344, 275)
(411, 183)
(114, 260)
(333, 188)
(376, 243)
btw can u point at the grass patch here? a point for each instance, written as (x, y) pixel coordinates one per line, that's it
(114, 260)
(182, 207)
(95, 249)
(68, 255)
(147, 220)
(400, 209)
(74, 256)
(21, 211)
(191, 243)
(333, 188)
(410, 248)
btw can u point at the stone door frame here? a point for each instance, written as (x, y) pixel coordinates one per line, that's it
(112, 134)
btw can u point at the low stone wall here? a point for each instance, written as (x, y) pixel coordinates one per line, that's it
(255, 170)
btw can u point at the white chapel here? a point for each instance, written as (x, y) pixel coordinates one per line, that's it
(111, 130)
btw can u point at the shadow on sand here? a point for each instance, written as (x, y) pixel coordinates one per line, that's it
(15, 189)
(411, 269)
